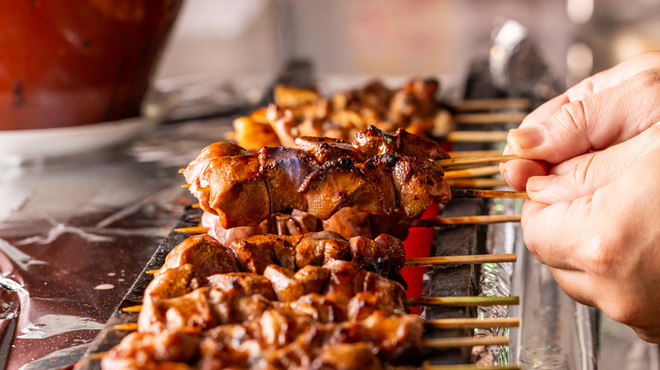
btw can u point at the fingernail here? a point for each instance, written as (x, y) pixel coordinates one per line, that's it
(540, 183)
(527, 138)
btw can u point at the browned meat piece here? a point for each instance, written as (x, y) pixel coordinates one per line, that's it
(235, 190)
(289, 96)
(419, 183)
(396, 252)
(259, 251)
(415, 101)
(320, 247)
(379, 171)
(369, 255)
(228, 236)
(325, 149)
(174, 300)
(242, 283)
(297, 223)
(349, 222)
(158, 351)
(364, 304)
(175, 282)
(284, 170)
(319, 308)
(339, 184)
(418, 146)
(346, 280)
(229, 346)
(397, 338)
(189, 313)
(238, 297)
(290, 286)
(372, 142)
(396, 224)
(253, 135)
(215, 150)
(347, 357)
(284, 123)
(205, 253)
(390, 293)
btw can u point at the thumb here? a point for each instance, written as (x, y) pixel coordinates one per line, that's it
(609, 117)
(583, 175)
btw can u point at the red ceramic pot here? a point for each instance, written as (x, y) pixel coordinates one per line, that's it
(75, 62)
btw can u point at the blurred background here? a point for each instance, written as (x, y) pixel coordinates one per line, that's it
(224, 39)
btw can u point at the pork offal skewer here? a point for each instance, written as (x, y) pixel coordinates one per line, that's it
(379, 173)
(181, 299)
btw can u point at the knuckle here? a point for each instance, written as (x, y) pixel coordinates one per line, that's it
(651, 77)
(623, 311)
(603, 261)
(572, 116)
(580, 173)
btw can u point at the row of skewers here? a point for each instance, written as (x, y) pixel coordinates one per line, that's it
(303, 299)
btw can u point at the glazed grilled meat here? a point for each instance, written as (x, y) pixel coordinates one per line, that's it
(278, 339)
(397, 177)
(314, 299)
(302, 112)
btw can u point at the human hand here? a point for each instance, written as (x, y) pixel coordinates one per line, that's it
(593, 218)
(597, 227)
(605, 109)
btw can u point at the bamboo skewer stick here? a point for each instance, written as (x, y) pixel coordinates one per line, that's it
(474, 153)
(465, 342)
(128, 327)
(471, 193)
(485, 104)
(472, 323)
(459, 323)
(488, 118)
(137, 308)
(472, 172)
(464, 161)
(463, 367)
(476, 136)
(476, 183)
(461, 260)
(462, 301)
(467, 220)
(193, 230)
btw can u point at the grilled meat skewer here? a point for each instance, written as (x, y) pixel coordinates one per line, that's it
(395, 176)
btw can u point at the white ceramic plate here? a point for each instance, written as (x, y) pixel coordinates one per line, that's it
(19, 145)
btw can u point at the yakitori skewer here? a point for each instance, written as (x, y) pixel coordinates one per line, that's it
(469, 301)
(467, 220)
(487, 104)
(456, 323)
